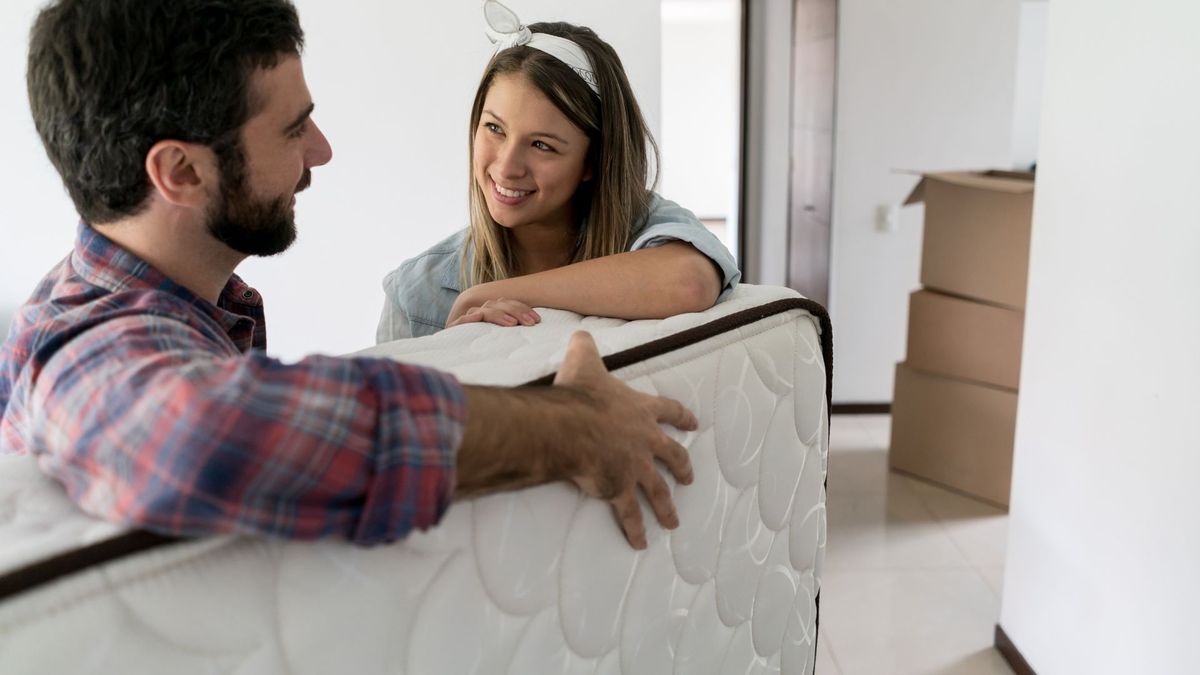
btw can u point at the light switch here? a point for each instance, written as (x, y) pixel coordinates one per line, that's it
(887, 218)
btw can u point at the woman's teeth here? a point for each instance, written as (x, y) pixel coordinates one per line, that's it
(512, 194)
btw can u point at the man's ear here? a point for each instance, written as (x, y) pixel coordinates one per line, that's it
(183, 174)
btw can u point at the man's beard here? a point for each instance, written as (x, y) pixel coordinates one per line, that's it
(259, 227)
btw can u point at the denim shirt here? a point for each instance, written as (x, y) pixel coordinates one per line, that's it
(421, 292)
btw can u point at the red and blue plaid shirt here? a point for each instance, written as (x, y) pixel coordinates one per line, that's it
(157, 409)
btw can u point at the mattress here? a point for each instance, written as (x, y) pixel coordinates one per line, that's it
(535, 581)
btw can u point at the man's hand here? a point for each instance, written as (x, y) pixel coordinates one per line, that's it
(589, 428)
(626, 440)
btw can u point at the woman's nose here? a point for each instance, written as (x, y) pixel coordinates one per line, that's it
(510, 161)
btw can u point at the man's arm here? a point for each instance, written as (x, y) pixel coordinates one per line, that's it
(144, 427)
(146, 422)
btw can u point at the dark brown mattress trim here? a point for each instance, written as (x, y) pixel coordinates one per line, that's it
(93, 555)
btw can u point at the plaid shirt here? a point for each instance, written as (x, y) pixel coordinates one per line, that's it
(156, 409)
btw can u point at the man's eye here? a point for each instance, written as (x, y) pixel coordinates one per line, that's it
(299, 131)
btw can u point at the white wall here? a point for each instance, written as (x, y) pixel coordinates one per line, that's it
(37, 220)
(393, 87)
(701, 104)
(1031, 72)
(925, 85)
(1103, 547)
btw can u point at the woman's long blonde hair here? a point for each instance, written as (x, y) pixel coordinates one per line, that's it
(622, 155)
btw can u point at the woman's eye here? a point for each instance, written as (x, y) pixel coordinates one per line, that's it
(542, 146)
(492, 127)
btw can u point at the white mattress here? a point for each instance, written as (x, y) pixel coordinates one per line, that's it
(537, 581)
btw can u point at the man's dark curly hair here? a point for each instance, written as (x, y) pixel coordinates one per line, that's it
(110, 78)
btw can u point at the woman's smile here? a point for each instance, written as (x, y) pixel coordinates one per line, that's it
(507, 196)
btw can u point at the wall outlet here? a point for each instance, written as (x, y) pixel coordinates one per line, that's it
(887, 218)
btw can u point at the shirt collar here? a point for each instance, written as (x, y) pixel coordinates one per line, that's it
(451, 278)
(101, 262)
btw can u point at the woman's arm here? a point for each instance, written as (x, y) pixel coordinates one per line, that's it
(650, 283)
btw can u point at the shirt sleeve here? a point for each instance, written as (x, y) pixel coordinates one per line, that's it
(420, 293)
(393, 322)
(669, 222)
(147, 422)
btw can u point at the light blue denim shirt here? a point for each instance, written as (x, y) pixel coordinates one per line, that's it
(421, 292)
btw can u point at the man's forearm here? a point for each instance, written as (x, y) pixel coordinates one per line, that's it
(510, 434)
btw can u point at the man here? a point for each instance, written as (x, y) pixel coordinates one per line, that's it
(182, 130)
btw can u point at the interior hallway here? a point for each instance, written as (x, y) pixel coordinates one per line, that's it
(913, 572)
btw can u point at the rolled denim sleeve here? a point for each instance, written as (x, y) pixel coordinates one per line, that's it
(419, 295)
(393, 322)
(670, 222)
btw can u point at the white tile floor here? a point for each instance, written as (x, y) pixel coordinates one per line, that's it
(912, 571)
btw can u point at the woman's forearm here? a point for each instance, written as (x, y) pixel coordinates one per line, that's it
(651, 283)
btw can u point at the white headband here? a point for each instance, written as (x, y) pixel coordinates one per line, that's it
(505, 30)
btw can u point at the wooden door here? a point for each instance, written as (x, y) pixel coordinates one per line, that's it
(814, 70)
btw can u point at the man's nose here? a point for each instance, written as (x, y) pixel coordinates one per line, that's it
(318, 152)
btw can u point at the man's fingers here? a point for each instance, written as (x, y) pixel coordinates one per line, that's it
(659, 496)
(629, 515)
(670, 411)
(675, 456)
(581, 361)
(583, 345)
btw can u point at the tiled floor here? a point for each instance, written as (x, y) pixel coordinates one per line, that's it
(912, 572)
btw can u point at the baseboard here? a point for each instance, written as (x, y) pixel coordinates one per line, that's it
(862, 408)
(1011, 654)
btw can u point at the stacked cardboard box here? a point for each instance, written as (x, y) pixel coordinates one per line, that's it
(955, 404)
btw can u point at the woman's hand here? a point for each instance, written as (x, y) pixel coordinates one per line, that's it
(501, 311)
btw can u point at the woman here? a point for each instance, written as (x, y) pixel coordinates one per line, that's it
(560, 214)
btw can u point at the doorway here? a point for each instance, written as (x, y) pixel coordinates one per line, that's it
(814, 82)
(702, 92)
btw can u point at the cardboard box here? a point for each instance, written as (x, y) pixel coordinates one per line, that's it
(960, 338)
(976, 240)
(956, 433)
